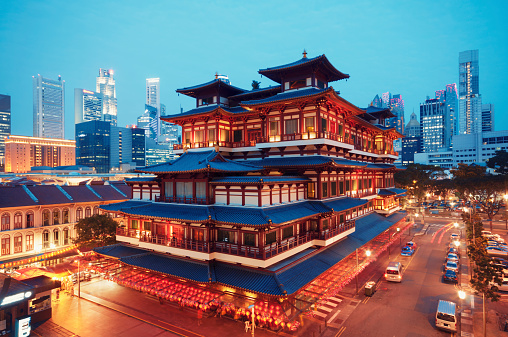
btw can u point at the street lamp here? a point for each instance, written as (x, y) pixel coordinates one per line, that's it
(79, 278)
(368, 252)
(253, 322)
(462, 296)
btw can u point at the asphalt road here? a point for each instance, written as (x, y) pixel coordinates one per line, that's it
(408, 308)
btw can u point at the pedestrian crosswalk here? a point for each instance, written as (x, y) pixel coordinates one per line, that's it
(326, 307)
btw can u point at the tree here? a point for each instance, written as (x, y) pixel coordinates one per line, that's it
(97, 230)
(499, 162)
(417, 179)
(473, 184)
(485, 274)
(255, 84)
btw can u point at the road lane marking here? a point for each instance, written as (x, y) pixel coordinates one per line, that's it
(405, 267)
(341, 331)
(446, 229)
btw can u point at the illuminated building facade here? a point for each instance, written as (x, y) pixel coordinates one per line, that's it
(87, 106)
(470, 100)
(268, 182)
(48, 107)
(22, 153)
(5, 125)
(105, 85)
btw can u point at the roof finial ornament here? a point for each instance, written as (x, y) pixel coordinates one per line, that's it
(304, 54)
(216, 75)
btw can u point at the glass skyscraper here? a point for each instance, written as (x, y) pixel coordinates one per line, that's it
(5, 125)
(470, 101)
(105, 85)
(49, 107)
(87, 106)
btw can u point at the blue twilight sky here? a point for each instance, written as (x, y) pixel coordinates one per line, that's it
(405, 47)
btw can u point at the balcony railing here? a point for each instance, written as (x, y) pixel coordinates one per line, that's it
(263, 253)
(184, 200)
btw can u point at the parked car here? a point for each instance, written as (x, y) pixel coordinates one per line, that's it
(453, 250)
(486, 233)
(495, 251)
(411, 244)
(407, 251)
(450, 276)
(452, 266)
(452, 257)
(454, 237)
(500, 287)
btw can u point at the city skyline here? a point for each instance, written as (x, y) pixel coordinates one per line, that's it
(413, 71)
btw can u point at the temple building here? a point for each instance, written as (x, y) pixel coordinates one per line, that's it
(274, 191)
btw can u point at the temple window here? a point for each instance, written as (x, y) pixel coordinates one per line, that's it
(207, 100)
(309, 124)
(341, 187)
(324, 125)
(291, 126)
(249, 239)
(325, 224)
(201, 190)
(311, 190)
(297, 84)
(274, 127)
(320, 84)
(348, 186)
(271, 237)
(224, 135)
(211, 135)
(134, 224)
(225, 236)
(287, 232)
(333, 189)
(324, 189)
(187, 137)
(199, 136)
(237, 136)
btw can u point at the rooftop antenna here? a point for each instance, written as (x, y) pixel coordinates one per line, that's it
(304, 54)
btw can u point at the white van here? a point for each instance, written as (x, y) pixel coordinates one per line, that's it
(446, 317)
(394, 272)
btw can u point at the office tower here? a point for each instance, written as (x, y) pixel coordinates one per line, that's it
(22, 153)
(5, 125)
(153, 99)
(413, 127)
(49, 107)
(107, 147)
(105, 85)
(148, 122)
(470, 101)
(396, 105)
(138, 145)
(87, 106)
(487, 117)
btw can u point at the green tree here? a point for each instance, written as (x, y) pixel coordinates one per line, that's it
(499, 162)
(97, 230)
(417, 179)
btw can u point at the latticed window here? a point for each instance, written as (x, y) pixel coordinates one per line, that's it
(45, 239)
(271, 237)
(225, 236)
(18, 221)
(29, 220)
(18, 243)
(6, 245)
(29, 241)
(6, 222)
(66, 236)
(96, 210)
(56, 237)
(45, 217)
(65, 216)
(79, 214)
(56, 217)
(88, 212)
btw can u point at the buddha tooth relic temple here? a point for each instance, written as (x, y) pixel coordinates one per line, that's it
(275, 199)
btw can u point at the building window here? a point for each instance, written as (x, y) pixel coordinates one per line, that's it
(237, 136)
(347, 185)
(88, 212)
(324, 191)
(45, 239)
(274, 128)
(6, 222)
(29, 220)
(291, 126)
(134, 224)
(309, 124)
(333, 189)
(211, 135)
(225, 236)
(18, 221)
(199, 136)
(224, 135)
(287, 232)
(6, 245)
(341, 218)
(341, 187)
(65, 216)
(187, 137)
(56, 237)
(325, 224)
(56, 217)
(46, 214)
(324, 125)
(18, 243)
(314, 226)
(95, 210)
(79, 214)
(29, 241)
(311, 190)
(249, 239)
(66, 236)
(270, 237)
(147, 225)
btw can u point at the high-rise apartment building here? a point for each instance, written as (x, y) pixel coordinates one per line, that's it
(153, 99)
(5, 125)
(22, 153)
(87, 106)
(49, 107)
(470, 100)
(105, 85)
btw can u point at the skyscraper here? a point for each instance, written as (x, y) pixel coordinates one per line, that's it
(487, 117)
(49, 107)
(148, 122)
(105, 85)
(470, 101)
(5, 125)
(87, 106)
(153, 98)
(396, 105)
(413, 127)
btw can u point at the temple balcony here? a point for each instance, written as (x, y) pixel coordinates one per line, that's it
(233, 252)
(179, 200)
(387, 210)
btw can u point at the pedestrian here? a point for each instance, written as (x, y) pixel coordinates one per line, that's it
(200, 316)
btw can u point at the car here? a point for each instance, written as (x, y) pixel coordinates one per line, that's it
(411, 244)
(494, 251)
(452, 266)
(453, 250)
(498, 247)
(450, 276)
(500, 287)
(407, 251)
(484, 233)
(452, 257)
(454, 237)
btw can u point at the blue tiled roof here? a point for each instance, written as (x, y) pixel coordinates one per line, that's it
(292, 64)
(184, 268)
(119, 251)
(287, 95)
(199, 161)
(249, 216)
(304, 161)
(249, 279)
(391, 191)
(141, 179)
(259, 179)
(210, 83)
(256, 91)
(380, 166)
(397, 190)
(382, 127)
(207, 109)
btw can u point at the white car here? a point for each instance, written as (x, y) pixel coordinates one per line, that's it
(495, 251)
(500, 287)
(452, 257)
(452, 266)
